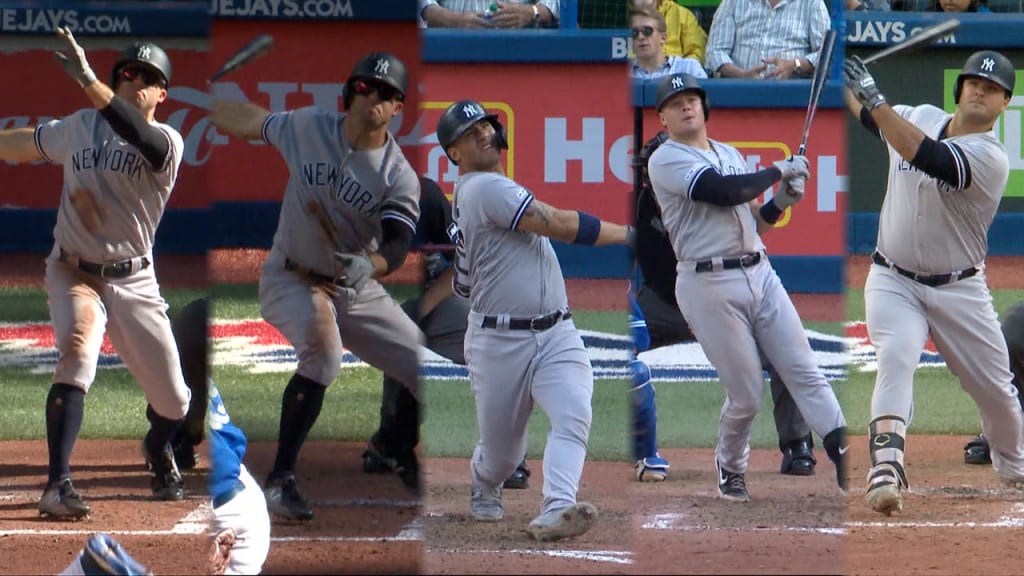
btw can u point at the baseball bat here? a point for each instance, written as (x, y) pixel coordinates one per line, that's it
(919, 40)
(821, 72)
(257, 47)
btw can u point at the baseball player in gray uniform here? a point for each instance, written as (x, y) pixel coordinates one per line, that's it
(947, 173)
(725, 287)
(119, 168)
(521, 344)
(347, 218)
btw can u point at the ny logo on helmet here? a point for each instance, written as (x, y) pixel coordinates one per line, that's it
(988, 64)
(470, 110)
(382, 66)
(143, 52)
(677, 82)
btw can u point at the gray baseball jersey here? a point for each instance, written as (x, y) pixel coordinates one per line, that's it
(356, 188)
(929, 226)
(704, 230)
(509, 272)
(111, 204)
(127, 197)
(353, 191)
(735, 311)
(515, 275)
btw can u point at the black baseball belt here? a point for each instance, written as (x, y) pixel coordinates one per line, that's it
(535, 324)
(293, 266)
(932, 280)
(745, 261)
(115, 270)
(229, 494)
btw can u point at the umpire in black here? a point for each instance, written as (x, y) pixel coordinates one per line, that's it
(443, 318)
(666, 325)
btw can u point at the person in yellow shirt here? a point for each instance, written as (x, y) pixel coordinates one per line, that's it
(686, 38)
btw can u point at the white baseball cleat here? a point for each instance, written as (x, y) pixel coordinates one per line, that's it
(652, 469)
(485, 504)
(563, 523)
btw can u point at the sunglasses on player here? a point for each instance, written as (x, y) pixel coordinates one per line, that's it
(149, 77)
(645, 31)
(384, 91)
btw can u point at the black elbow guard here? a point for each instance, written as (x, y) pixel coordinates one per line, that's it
(397, 238)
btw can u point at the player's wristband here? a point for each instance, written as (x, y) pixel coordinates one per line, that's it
(770, 212)
(589, 229)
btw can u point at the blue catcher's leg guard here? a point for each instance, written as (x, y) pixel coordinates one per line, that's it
(650, 467)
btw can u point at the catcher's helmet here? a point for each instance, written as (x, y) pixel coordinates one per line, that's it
(146, 54)
(381, 66)
(677, 83)
(645, 156)
(462, 115)
(990, 65)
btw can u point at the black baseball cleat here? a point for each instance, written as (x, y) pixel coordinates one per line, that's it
(732, 486)
(798, 459)
(375, 461)
(284, 499)
(165, 479)
(977, 451)
(61, 502)
(186, 456)
(520, 478)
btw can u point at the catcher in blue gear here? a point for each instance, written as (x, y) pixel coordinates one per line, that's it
(655, 321)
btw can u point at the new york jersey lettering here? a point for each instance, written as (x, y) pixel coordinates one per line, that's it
(345, 188)
(108, 159)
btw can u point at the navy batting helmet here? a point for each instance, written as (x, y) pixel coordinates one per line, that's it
(462, 115)
(677, 83)
(382, 67)
(990, 65)
(144, 54)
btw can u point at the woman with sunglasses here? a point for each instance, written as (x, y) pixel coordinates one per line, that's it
(648, 31)
(348, 217)
(120, 166)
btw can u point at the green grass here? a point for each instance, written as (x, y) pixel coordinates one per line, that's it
(115, 406)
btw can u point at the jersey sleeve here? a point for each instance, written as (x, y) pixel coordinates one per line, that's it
(675, 173)
(176, 150)
(403, 200)
(505, 205)
(281, 128)
(988, 165)
(53, 141)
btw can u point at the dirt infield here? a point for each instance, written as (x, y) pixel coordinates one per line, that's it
(362, 523)
(456, 544)
(956, 519)
(791, 525)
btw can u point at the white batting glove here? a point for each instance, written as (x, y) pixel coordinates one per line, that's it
(74, 62)
(790, 192)
(358, 269)
(794, 167)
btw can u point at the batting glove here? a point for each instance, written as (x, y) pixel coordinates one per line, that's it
(794, 167)
(358, 269)
(789, 193)
(74, 62)
(862, 83)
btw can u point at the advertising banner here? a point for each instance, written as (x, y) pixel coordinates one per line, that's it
(815, 226)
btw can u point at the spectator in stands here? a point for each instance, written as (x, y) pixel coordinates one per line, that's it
(489, 13)
(647, 26)
(958, 6)
(868, 5)
(766, 38)
(684, 35)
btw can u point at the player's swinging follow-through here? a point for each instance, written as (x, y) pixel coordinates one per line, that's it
(726, 287)
(947, 173)
(522, 346)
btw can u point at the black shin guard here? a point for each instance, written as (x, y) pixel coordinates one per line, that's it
(161, 430)
(65, 407)
(300, 407)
